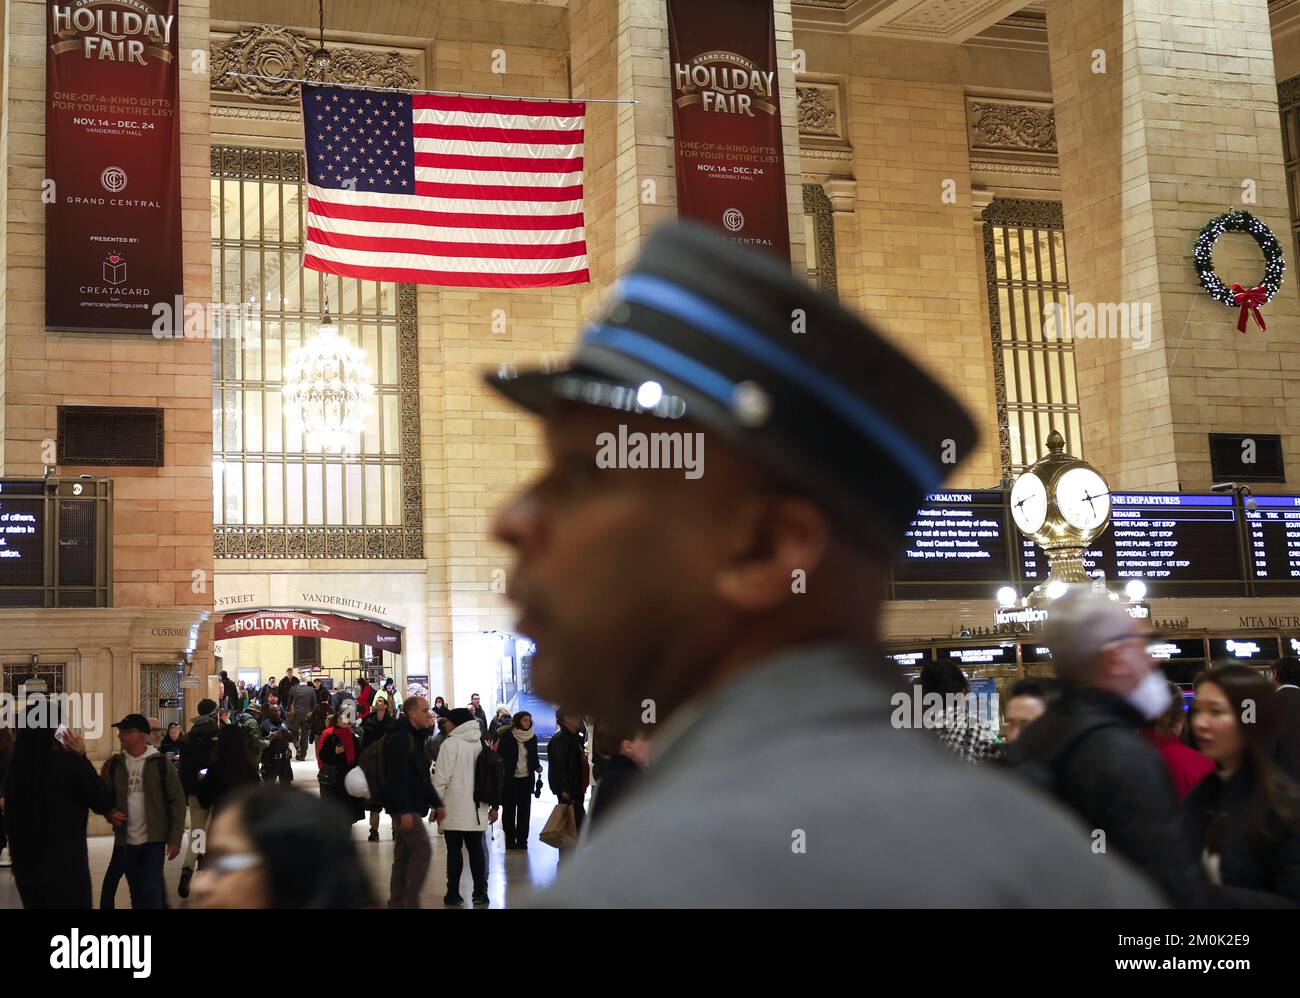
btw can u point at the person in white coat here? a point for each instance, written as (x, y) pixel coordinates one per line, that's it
(465, 821)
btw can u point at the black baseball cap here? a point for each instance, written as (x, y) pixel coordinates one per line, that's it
(134, 722)
(730, 339)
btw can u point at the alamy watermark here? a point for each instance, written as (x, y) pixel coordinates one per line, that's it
(178, 319)
(83, 712)
(1085, 320)
(651, 450)
(913, 709)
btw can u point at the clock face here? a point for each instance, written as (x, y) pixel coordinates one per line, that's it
(1029, 503)
(1083, 498)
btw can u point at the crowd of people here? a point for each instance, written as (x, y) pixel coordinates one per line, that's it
(1203, 797)
(206, 797)
(1203, 800)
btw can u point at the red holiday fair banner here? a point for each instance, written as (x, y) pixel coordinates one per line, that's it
(112, 150)
(727, 120)
(296, 623)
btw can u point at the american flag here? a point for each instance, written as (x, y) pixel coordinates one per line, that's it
(457, 191)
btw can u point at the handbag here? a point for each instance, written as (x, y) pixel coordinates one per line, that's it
(561, 829)
(328, 776)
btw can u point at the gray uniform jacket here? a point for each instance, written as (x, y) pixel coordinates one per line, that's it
(791, 787)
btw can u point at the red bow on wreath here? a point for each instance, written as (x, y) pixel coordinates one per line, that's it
(1249, 301)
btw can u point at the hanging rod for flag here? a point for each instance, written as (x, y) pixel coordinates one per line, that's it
(440, 93)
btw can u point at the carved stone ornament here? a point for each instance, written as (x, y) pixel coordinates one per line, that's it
(280, 53)
(1288, 93)
(817, 115)
(818, 205)
(1012, 127)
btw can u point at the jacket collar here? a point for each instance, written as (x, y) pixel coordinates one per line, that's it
(1091, 701)
(804, 684)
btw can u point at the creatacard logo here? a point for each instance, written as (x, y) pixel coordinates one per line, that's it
(114, 269)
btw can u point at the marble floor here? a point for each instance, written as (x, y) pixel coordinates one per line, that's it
(512, 875)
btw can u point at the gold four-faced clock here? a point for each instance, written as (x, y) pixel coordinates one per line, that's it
(1063, 503)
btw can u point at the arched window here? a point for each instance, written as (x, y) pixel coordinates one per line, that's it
(272, 496)
(1033, 364)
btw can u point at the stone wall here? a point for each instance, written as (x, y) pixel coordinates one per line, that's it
(162, 516)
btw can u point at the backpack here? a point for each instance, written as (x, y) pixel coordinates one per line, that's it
(1045, 774)
(489, 777)
(252, 737)
(196, 755)
(371, 763)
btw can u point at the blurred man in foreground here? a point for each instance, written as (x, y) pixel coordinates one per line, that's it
(733, 461)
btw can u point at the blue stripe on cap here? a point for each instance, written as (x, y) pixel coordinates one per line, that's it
(685, 369)
(713, 320)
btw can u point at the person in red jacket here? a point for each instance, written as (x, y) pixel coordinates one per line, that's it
(1187, 767)
(365, 696)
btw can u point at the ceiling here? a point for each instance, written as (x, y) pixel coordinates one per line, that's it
(948, 21)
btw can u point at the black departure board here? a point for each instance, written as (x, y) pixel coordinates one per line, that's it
(1174, 540)
(1033, 653)
(1273, 543)
(974, 655)
(1244, 649)
(22, 535)
(1035, 568)
(957, 539)
(1176, 649)
(54, 542)
(1177, 543)
(908, 658)
(77, 542)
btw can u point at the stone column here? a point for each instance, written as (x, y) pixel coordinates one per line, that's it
(619, 48)
(1167, 115)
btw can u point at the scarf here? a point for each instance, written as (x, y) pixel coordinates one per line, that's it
(521, 762)
(348, 740)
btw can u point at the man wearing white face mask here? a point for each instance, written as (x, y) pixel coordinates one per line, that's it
(1086, 749)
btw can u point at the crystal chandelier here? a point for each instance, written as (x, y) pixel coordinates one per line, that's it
(327, 385)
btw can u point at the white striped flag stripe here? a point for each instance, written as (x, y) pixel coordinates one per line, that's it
(454, 191)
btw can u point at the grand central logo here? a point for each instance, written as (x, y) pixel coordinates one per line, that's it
(105, 32)
(726, 82)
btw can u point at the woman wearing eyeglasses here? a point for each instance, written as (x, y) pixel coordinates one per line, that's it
(1244, 818)
(276, 847)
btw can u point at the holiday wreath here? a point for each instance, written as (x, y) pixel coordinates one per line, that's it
(1248, 300)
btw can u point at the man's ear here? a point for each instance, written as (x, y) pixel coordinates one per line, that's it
(783, 540)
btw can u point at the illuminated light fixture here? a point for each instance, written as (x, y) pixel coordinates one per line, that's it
(1056, 589)
(327, 386)
(318, 63)
(649, 394)
(1006, 596)
(189, 681)
(1135, 590)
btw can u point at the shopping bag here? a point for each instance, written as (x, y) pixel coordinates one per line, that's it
(561, 830)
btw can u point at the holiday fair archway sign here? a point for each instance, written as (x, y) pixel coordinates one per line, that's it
(1247, 300)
